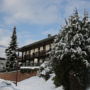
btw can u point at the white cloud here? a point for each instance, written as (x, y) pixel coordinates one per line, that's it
(32, 11)
(24, 37)
(4, 37)
(4, 41)
(40, 11)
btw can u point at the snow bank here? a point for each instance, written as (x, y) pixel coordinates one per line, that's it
(7, 85)
(37, 83)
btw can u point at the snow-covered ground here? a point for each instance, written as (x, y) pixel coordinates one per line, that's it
(7, 85)
(33, 83)
(37, 83)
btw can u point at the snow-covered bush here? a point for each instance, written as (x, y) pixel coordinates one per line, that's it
(45, 70)
(70, 56)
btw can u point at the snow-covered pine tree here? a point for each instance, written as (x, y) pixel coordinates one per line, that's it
(11, 52)
(71, 52)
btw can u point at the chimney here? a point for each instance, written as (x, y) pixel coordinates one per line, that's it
(49, 35)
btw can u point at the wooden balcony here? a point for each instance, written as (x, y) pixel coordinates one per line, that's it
(35, 55)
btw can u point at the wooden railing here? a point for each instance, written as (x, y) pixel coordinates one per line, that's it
(36, 54)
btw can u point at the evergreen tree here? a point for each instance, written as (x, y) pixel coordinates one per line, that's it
(71, 52)
(11, 52)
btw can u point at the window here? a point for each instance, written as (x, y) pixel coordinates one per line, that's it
(32, 51)
(47, 47)
(36, 50)
(41, 48)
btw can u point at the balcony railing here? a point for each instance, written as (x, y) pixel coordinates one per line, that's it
(36, 54)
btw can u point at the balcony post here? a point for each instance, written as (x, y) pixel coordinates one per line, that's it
(50, 47)
(38, 61)
(25, 57)
(29, 55)
(22, 56)
(18, 53)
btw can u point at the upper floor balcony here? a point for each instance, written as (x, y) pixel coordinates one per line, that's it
(35, 55)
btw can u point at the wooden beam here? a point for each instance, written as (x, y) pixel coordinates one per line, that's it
(22, 56)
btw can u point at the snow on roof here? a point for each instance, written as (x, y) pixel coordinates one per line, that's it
(28, 67)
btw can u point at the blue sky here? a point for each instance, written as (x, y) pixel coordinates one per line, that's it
(34, 19)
